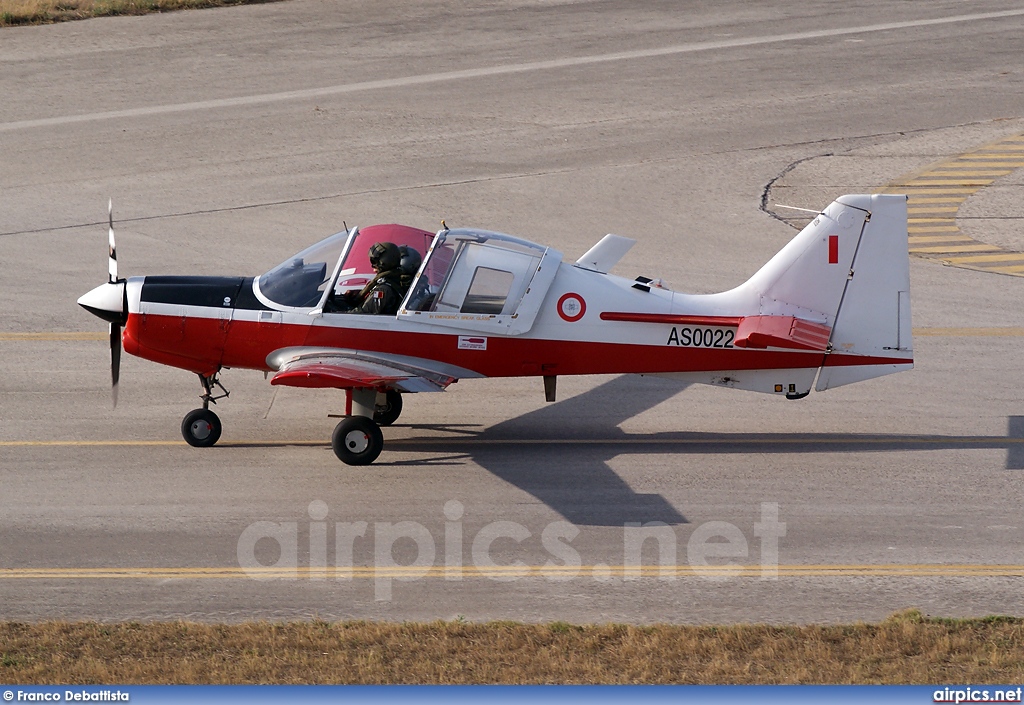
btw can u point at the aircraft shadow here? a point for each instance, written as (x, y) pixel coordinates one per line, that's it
(1015, 451)
(574, 479)
(565, 465)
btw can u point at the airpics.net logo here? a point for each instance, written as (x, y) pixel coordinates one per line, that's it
(269, 550)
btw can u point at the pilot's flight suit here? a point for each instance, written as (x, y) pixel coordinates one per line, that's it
(383, 294)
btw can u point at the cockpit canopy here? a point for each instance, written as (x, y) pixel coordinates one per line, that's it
(475, 280)
(302, 280)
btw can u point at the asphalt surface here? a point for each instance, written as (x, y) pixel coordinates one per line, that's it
(232, 138)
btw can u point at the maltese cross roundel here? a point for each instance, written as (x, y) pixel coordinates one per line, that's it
(571, 307)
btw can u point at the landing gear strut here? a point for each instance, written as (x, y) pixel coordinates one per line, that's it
(201, 427)
(387, 413)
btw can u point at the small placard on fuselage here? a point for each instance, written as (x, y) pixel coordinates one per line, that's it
(472, 342)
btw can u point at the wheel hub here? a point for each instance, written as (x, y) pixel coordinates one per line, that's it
(357, 441)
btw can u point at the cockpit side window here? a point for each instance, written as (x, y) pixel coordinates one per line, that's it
(482, 282)
(485, 278)
(488, 291)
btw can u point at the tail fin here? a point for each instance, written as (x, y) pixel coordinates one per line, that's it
(848, 270)
(872, 333)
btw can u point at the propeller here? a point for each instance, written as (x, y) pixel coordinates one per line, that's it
(110, 302)
(115, 326)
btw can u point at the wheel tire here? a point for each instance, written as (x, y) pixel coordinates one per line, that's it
(357, 440)
(388, 413)
(200, 428)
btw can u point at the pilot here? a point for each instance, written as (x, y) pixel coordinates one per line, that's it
(408, 266)
(383, 293)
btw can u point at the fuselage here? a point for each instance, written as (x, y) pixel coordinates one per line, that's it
(202, 324)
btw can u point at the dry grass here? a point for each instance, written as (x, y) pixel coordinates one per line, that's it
(19, 12)
(907, 648)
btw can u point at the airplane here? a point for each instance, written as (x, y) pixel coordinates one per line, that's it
(829, 309)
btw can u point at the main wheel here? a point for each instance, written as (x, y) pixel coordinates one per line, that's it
(387, 413)
(200, 428)
(357, 440)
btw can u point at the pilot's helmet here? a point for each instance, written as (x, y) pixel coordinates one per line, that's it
(410, 260)
(384, 256)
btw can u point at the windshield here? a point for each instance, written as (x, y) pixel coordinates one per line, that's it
(300, 280)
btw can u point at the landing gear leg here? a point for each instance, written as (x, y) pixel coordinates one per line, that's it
(357, 440)
(388, 407)
(208, 396)
(201, 428)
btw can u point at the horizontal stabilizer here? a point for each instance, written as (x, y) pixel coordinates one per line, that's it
(605, 254)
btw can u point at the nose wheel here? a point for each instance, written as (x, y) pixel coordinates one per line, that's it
(357, 440)
(200, 428)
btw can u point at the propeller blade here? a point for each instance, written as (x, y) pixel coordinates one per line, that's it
(112, 264)
(115, 360)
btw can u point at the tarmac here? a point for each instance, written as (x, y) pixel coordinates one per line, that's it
(231, 138)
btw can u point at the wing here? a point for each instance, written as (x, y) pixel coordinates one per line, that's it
(356, 369)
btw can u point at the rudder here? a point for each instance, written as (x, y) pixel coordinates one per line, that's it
(871, 335)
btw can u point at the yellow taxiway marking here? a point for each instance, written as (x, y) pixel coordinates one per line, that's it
(972, 173)
(974, 259)
(953, 181)
(915, 570)
(949, 183)
(985, 162)
(449, 442)
(99, 444)
(53, 336)
(1001, 332)
(991, 162)
(910, 190)
(955, 248)
(921, 239)
(946, 237)
(911, 200)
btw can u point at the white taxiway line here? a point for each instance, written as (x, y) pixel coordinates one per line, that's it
(526, 67)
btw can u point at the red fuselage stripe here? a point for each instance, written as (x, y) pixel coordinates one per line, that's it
(671, 319)
(203, 345)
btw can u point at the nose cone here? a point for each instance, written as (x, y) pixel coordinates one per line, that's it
(107, 301)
